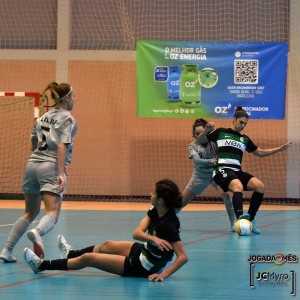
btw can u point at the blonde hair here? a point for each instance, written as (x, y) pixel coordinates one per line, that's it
(58, 91)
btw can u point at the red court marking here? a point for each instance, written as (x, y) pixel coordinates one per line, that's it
(32, 279)
(278, 222)
(208, 238)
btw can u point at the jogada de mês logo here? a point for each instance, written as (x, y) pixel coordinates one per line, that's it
(273, 276)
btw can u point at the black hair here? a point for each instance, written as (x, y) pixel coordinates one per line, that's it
(198, 122)
(169, 192)
(240, 113)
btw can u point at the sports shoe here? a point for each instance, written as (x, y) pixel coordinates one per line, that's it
(63, 246)
(244, 216)
(254, 228)
(32, 260)
(7, 257)
(38, 248)
(232, 228)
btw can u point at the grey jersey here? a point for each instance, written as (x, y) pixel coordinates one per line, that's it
(202, 156)
(53, 128)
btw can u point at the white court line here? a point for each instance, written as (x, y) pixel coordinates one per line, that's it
(7, 225)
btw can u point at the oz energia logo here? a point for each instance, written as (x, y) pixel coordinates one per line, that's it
(223, 110)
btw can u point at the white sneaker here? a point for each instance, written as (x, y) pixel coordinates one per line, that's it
(63, 246)
(38, 248)
(32, 260)
(7, 257)
(232, 228)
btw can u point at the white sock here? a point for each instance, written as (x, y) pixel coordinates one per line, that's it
(46, 223)
(230, 210)
(19, 228)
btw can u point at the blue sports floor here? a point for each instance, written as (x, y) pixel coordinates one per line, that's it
(218, 266)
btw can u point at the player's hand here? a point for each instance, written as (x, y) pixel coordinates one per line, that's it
(61, 183)
(285, 146)
(156, 277)
(162, 244)
(209, 126)
(214, 161)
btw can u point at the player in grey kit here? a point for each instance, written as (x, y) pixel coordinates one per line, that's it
(204, 157)
(45, 173)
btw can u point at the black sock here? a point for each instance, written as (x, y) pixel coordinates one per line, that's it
(255, 202)
(237, 202)
(76, 253)
(56, 264)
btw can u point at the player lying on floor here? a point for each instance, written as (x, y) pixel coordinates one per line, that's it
(159, 230)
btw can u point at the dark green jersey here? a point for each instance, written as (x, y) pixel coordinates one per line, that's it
(231, 146)
(167, 227)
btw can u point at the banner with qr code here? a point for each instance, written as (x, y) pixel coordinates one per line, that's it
(209, 80)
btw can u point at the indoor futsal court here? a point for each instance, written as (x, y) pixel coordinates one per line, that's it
(128, 63)
(218, 266)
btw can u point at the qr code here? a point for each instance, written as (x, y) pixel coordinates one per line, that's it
(246, 71)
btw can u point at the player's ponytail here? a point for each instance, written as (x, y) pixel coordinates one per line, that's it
(240, 113)
(58, 91)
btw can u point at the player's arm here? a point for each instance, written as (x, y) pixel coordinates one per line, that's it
(34, 143)
(204, 161)
(34, 139)
(202, 139)
(268, 152)
(181, 259)
(198, 161)
(61, 158)
(141, 235)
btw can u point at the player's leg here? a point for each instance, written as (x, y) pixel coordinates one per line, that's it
(108, 247)
(110, 259)
(32, 209)
(187, 196)
(47, 222)
(258, 188)
(52, 203)
(237, 199)
(46, 174)
(115, 247)
(228, 180)
(228, 205)
(195, 187)
(106, 262)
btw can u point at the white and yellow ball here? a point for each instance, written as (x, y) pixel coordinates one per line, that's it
(243, 227)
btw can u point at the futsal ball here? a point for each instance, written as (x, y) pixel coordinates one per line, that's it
(243, 227)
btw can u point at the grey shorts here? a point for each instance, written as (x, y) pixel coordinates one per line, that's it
(198, 184)
(41, 177)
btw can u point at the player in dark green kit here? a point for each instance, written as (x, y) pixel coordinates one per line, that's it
(228, 172)
(158, 230)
